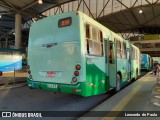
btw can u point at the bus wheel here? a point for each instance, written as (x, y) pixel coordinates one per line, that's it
(118, 83)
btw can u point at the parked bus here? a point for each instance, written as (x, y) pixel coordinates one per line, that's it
(146, 62)
(73, 53)
(10, 60)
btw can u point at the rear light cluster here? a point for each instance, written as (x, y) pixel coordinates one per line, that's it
(76, 73)
(29, 72)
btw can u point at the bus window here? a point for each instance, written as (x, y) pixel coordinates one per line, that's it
(118, 49)
(133, 53)
(111, 53)
(124, 50)
(101, 41)
(88, 36)
(94, 41)
(128, 55)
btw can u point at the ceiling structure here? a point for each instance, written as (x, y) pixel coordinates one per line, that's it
(121, 16)
(27, 8)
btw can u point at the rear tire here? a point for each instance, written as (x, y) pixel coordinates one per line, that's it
(118, 83)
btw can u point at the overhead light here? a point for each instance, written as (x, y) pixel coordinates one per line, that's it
(140, 11)
(0, 16)
(40, 1)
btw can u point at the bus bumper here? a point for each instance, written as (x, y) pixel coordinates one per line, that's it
(73, 89)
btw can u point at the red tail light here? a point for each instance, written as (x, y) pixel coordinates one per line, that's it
(78, 67)
(76, 13)
(76, 73)
(73, 90)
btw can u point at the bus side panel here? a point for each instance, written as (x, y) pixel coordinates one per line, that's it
(122, 67)
(145, 62)
(135, 64)
(95, 76)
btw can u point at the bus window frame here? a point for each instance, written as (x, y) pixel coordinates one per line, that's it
(91, 39)
(112, 57)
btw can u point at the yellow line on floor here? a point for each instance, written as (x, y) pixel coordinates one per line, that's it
(122, 103)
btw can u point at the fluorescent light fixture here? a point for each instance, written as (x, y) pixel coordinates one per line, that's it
(140, 11)
(40, 1)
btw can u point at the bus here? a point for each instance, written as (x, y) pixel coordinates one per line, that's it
(72, 53)
(146, 62)
(10, 59)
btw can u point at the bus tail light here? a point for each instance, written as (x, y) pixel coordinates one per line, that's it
(29, 71)
(74, 79)
(77, 14)
(30, 76)
(28, 67)
(76, 73)
(78, 67)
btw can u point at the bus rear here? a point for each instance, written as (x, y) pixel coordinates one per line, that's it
(54, 53)
(145, 62)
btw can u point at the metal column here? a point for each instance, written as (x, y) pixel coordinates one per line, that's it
(18, 31)
(6, 42)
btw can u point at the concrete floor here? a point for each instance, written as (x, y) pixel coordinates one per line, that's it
(136, 97)
(13, 77)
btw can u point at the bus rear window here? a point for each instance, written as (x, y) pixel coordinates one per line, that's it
(65, 22)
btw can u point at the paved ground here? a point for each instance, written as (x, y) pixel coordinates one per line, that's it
(12, 77)
(25, 99)
(136, 97)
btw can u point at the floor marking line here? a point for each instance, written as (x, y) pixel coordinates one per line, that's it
(122, 103)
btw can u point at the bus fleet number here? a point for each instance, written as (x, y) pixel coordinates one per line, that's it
(51, 86)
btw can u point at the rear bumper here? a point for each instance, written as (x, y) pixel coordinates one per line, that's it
(73, 89)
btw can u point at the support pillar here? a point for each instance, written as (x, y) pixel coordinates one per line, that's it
(6, 42)
(18, 21)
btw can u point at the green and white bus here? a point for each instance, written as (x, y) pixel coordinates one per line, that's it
(72, 53)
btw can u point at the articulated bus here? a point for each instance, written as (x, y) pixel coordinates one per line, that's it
(146, 62)
(72, 53)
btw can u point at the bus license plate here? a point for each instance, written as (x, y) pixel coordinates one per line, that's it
(50, 74)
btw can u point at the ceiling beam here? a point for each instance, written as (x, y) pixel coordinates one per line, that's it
(9, 4)
(134, 3)
(148, 2)
(29, 5)
(131, 11)
(156, 2)
(6, 27)
(103, 9)
(7, 20)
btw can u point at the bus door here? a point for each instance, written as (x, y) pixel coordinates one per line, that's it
(106, 46)
(112, 63)
(129, 63)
